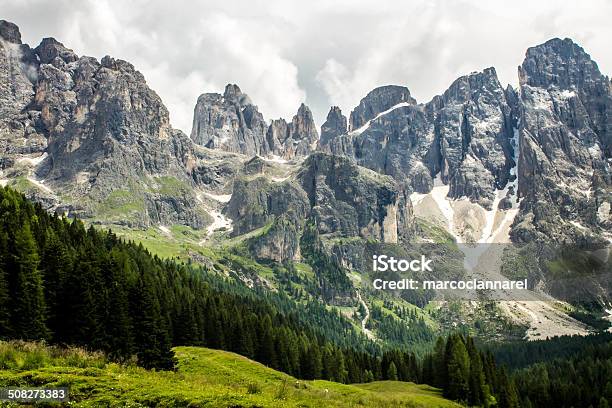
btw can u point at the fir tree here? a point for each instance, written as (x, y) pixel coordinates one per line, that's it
(28, 315)
(392, 372)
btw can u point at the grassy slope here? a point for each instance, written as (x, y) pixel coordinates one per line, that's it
(205, 377)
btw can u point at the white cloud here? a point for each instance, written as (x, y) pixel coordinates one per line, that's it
(283, 53)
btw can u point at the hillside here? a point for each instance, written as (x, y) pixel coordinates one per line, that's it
(204, 377)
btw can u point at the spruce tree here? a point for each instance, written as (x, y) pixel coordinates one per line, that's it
(392, 372)
(152, 340)
(28, 314)
(458, 369)
(5, 318)
(478, 391)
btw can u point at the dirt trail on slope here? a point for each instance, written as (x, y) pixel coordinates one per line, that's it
(364, 322)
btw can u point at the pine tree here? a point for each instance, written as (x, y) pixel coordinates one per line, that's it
(508, 397)
(267, 353)
(478, 391)
(28, 315)
(439, 364)
(117, 324)
(55, 264)
(458, 369)
(392, 372)
(152, 341)
(5, 318)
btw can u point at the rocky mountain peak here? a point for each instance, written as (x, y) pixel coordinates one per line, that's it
(470, 86)
(232, 91)
(230, 122)
(334, 125)
(10, 32)
(298, 138)
(50, 49)
(565, 143)
(561, 63)
(304, 111)
(379, 100)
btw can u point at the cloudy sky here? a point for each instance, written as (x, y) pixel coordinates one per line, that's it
(319, 52)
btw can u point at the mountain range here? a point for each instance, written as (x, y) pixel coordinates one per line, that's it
(478, 164)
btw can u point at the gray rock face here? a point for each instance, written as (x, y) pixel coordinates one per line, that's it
(564, 173)
(282, 241)
(9, 32)
(339, 197)
(298, 138)
(335, 125)
(474, 128)
(257, 202)
(462, 135)
(230, 122)
(378, 100)
(278, 132)
(304, 135)
(352, 201)
(20, 131)
(103, 130)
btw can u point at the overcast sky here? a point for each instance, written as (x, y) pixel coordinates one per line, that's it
(320, 52)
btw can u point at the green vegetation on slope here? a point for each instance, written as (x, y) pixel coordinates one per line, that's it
(204, 377)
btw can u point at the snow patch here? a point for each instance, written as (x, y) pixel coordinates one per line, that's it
(579, 226)
(367, 124)
(219, 221)
(567, 94)
(416, 198)
(165, 230)
(279, 179)
(275, 159)
(222, 198)
(440, 195)
(32, 161)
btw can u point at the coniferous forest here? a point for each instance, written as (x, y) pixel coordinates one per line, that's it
(70, 285)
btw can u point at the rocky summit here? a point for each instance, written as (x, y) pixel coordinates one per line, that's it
(232, 123)
(565, 136)
(462, 136)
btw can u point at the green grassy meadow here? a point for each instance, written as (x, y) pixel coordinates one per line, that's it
(204, 378)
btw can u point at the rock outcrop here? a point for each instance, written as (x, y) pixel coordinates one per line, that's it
(474, 126)
(20, 125)
(351, 201)
(295, 139)
(463, 136)
(232, 123)
(379, 100)
(229, 122)
(565, 133)
(258, 202)
(93, 132)
(335, 125)
(340, 198)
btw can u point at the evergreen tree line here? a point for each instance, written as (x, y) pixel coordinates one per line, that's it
(567, 371)
(468, 375)
(519, 354)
